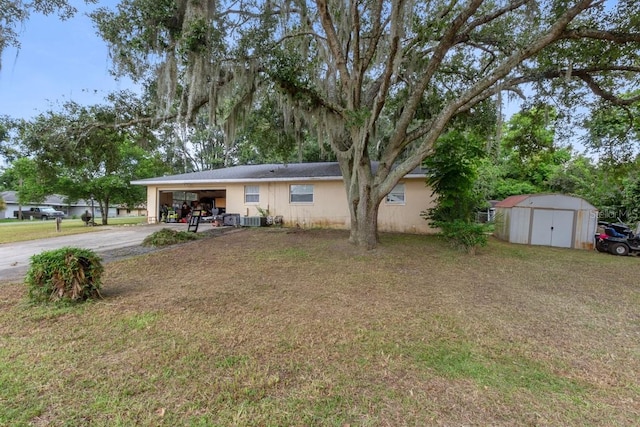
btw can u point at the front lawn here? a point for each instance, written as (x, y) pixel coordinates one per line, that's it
(276, 327)
(17, 231)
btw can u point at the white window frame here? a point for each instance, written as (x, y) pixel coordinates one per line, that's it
(251, 191)
(397, 196)
(302, 191)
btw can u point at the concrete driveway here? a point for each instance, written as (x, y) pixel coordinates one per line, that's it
(14, 257)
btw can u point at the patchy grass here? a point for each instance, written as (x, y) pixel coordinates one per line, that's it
(167, 236)
(267, 328)
(19, 231)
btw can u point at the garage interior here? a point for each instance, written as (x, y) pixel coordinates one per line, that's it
(211, 201)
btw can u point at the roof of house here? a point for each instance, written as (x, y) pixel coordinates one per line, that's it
(52, 200)
(267, 172)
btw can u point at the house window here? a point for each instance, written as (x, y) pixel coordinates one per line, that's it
(252, 194)
(396, 196)
(301, 193)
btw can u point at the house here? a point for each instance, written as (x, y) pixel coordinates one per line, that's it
(302, 194)
(547, 219)
(55, 201)
(124, 210)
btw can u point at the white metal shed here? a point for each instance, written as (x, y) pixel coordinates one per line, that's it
(547, 219)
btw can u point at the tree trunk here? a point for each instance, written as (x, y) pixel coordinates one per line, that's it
(363, 208)
(104, 209)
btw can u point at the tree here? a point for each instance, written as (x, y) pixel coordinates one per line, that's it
(613, 132)
(87, 152)
(29, 185)
(377, 80)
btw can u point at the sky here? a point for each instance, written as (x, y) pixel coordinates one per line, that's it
(58, 61)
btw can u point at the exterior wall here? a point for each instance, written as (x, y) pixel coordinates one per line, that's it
(329, 207)
(520, 225)
(586, 225)
(405, 218)
(502, 223)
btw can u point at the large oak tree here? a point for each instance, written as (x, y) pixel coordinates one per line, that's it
(378, 80)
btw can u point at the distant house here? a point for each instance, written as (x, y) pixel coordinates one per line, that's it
(125, 210)
(55, 201)
(303, 194)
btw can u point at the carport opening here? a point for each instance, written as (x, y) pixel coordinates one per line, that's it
(213, 202)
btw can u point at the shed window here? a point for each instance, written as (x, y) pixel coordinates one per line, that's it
(396, 196)
(301, 193)
(252, 194)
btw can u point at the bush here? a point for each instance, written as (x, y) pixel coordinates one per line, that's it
(464, 235)
(167, 236)
(71, 274)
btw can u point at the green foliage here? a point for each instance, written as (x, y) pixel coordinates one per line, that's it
(66, 274)
(81, 153)
(613, 132)
(464, 235)
(167, 236)
(26, 178)
(451, 173)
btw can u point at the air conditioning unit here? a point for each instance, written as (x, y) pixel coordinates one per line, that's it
(253, 221)
(231, 220)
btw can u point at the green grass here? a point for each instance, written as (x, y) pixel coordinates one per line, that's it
(18, 231)
(279, 329)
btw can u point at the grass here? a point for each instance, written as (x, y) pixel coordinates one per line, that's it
(272, 328)
(167, 237)
(18, 231)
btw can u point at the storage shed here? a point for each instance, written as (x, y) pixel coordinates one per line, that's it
(547, 219)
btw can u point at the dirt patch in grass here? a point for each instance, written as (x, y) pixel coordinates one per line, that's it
(276, 327)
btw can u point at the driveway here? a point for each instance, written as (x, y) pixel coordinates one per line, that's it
(14, 257)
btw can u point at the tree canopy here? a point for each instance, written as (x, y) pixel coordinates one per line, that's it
(377, 80)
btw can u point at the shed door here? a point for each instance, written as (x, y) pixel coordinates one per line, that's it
(552, 228)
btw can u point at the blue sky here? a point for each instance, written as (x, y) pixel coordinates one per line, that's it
(58, 61)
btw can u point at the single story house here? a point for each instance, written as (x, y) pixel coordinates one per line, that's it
(300, 194)
(55, 201)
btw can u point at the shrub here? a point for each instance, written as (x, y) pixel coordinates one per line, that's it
(71, 274)
(167, 236)
(464, 235)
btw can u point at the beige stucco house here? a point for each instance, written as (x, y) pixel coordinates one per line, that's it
(302, 194)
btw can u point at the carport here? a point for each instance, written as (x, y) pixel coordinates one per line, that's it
(209, 199)
(555, 220)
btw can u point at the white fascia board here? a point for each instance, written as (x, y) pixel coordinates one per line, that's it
(246, 180)
(234, 181)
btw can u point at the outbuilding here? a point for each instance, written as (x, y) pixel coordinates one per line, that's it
(547, 219)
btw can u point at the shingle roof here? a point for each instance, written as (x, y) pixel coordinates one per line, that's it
(52, 200)
(266, 172)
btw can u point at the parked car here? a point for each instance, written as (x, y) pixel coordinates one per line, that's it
(43, 213)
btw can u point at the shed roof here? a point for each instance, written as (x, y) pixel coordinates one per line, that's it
(548, 200)
(265, 172)
(512, 201)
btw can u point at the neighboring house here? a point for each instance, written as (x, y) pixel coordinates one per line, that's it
(55, 201)
(124, 210)
(303, 194)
